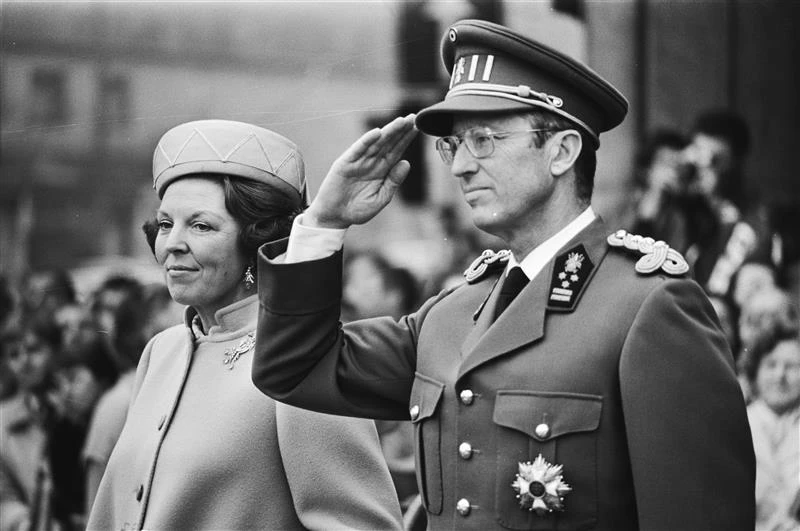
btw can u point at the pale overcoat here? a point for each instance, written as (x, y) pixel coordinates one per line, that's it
(630, 386)
(202, 448)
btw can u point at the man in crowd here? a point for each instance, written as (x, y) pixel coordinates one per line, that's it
(603, 396)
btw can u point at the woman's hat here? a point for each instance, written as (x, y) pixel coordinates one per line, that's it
(230, 148)
(494, 69)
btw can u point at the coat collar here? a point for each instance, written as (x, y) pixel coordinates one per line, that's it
(523, 321)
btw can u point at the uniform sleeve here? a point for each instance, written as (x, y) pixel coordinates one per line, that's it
(688, 436)
(336, 471)
(305, 357)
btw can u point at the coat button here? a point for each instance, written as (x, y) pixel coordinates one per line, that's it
(414, 412)
(139, 493)
(542, 430)
(462, 506)
(161, 422)
(465, 450)
(467, 397)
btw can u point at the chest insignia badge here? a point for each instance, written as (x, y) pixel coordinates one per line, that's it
(487, 262)
(570, 272)
(540, 487)
(657, 254)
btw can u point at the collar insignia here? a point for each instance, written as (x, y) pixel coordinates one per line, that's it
(570, 272)
(657, 254)
(488, 262)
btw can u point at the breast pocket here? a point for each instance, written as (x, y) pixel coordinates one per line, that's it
(426, 393)
(562, 427)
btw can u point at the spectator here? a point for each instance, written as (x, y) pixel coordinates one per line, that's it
(766, 311)
(43, 292)
(664, 210)
(81, 375)
(714, 177)
(130, 338)
(773, 367)
(25, 476)
(373, 288)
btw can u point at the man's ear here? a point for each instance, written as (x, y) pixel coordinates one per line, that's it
(564, 151)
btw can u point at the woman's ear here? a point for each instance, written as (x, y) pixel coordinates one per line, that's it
(565, 149)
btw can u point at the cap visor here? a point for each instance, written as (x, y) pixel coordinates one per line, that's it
(437, 120)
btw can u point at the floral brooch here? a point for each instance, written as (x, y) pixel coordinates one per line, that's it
(540, 487)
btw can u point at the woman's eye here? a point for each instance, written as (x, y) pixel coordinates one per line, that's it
(164, 225)
(201, 227)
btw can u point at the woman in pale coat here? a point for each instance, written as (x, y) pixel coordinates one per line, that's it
(202, 448)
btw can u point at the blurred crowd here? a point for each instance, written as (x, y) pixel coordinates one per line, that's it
(68, 360)
(66, 370)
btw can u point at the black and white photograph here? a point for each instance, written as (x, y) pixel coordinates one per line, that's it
(399, 265)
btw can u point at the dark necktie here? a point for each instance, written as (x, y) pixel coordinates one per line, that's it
(512, 285)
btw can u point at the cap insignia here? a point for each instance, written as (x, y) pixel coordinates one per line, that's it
(540, 487)
(570, 272)
(657, 254)
(487, 262)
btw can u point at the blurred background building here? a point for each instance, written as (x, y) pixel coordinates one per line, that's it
(89, 87)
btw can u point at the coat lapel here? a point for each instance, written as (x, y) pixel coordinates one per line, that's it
(524, 319)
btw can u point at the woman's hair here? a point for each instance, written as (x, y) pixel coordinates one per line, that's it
(263, 211)
(763, 345)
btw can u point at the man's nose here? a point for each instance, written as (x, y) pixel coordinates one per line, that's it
(464, 163)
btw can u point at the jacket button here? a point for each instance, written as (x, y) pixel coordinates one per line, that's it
(542, 430)
(465, 450)
(139, 493)
(467, 397)
(161, 422)
(414, 412)
(462, 506)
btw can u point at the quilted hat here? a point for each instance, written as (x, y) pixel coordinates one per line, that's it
(494, 69)
(231, 148)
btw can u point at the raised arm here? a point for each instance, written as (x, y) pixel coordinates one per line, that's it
(363, 180)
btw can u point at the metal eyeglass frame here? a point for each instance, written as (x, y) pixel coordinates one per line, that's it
(448, 145)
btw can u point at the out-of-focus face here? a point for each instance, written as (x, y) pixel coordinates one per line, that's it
(751, 279)
(31, 361)
(510, 187)
(78, 391)
(365, 291)
(197, 245)
(778, 377)
(712, 157)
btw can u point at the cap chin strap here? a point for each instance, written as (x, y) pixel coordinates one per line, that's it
(522, 94)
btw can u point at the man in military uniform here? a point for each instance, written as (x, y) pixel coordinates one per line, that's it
(602, 397)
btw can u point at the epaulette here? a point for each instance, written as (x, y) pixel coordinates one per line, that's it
(657, 254)
(487, 262)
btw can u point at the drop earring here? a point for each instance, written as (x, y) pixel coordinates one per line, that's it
(249, 279)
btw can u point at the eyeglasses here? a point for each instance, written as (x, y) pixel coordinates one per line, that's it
(479, 141)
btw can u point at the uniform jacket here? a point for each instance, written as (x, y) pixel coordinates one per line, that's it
(202, 448)
(632, 380)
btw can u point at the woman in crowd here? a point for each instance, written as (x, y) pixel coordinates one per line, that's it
(25, 417)
(202, 448)
(773, 367)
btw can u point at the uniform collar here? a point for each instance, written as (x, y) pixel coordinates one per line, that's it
(537, 259)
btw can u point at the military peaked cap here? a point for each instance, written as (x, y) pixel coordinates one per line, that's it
(494, 69)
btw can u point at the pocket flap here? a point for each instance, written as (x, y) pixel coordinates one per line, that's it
(425, 396)
(560, 413)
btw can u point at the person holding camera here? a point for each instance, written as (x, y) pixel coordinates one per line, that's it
(693, 198)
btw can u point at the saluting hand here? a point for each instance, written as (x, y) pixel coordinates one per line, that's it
(364, 178)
